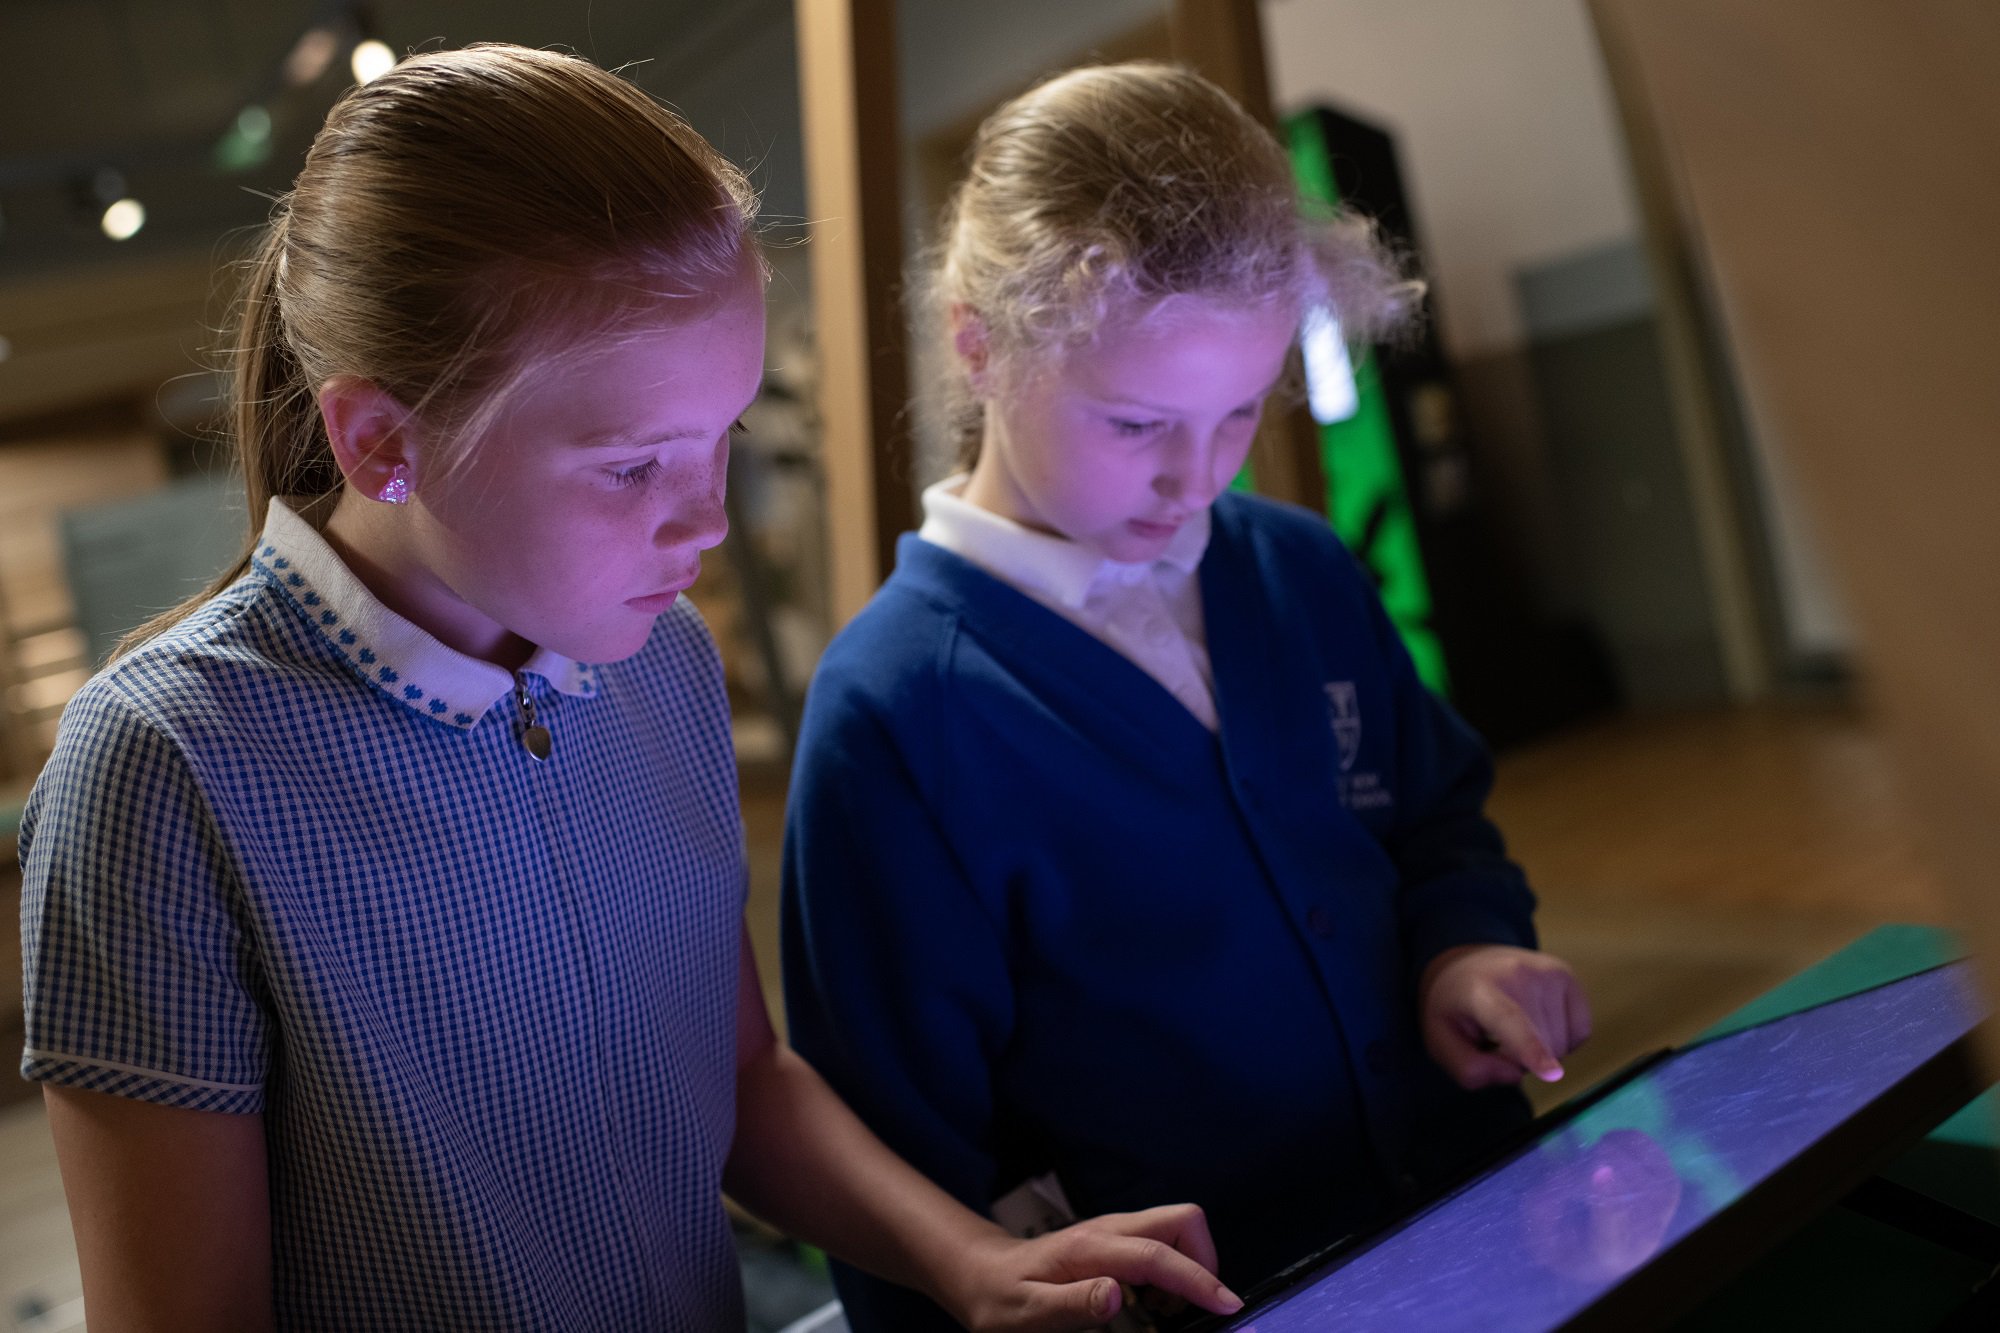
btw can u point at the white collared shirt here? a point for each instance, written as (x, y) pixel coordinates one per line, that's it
(1150, 613)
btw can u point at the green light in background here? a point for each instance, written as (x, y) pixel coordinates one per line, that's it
(246, 143)
(1365, 499)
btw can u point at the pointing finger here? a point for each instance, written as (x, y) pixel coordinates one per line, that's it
(1515, 1037)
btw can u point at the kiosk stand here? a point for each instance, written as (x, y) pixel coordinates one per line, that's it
(1730, 1183)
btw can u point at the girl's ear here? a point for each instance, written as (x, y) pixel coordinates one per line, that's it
(370, 434)
(968, 339)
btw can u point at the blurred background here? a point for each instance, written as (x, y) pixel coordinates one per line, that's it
(1577, 510)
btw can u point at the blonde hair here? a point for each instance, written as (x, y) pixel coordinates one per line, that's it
(1103, 191)
(457, 222)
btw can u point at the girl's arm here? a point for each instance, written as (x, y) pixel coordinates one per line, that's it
(805, 1163)
(171, 1210)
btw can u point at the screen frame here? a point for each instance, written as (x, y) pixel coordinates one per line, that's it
(1687, 1272)
(1680, 1277)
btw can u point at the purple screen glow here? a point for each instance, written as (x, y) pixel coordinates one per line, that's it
(1534, 1241)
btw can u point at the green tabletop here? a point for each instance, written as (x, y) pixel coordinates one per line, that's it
(1883, 955)
(1846, 1272)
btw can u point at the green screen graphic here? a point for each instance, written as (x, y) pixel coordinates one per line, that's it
(1365, 499)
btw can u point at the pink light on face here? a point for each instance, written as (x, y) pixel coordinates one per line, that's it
(581, 515)
(1117, 444)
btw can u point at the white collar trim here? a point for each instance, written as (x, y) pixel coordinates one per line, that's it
(1054, 567)
(396, 656)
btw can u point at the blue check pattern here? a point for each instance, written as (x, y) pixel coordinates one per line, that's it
(485, 1005)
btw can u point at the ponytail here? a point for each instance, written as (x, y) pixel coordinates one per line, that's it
(281, 445)
(280, 441)
(457, 221)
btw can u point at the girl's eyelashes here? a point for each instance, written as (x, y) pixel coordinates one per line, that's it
(1134, 428)
(638, 474)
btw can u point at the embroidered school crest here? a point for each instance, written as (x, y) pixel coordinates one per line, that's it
(1343, 710)
(1358, 791)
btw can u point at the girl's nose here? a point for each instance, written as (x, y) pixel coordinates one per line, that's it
(1189, 476)
(700, 521)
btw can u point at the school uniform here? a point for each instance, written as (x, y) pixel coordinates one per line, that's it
(294, 858)
(1041, 915)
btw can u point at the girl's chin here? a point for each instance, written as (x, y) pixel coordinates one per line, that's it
(1135, 543)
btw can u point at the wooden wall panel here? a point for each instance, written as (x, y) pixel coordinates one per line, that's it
(1838, 159)
(848, 101)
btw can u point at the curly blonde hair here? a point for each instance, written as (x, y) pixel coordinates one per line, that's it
(1104, 191)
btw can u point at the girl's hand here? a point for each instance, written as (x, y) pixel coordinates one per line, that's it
(1075, 1278)
(1492, 1012)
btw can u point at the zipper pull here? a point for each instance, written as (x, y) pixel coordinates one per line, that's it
(535, 738)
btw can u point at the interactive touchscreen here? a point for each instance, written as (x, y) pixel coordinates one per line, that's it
(1538, 1238)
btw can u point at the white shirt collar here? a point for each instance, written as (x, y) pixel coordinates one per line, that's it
(394, 655)
(1036, 562)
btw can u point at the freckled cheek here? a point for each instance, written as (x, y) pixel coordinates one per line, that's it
(617, 542)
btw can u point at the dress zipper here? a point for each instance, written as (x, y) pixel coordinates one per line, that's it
(535, 738)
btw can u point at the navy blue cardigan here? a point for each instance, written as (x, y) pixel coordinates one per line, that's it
(1037, 917)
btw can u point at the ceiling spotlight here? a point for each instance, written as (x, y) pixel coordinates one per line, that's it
(122, 220)
(372, 59)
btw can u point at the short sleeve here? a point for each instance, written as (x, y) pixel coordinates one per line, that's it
(138, 977)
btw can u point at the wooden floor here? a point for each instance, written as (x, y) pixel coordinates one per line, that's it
(1688, 863)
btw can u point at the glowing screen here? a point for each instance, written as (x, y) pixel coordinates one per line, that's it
(1534, 1241)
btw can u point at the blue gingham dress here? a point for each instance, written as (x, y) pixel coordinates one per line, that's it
(293, 858)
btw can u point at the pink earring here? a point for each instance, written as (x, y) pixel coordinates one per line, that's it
(396, 490)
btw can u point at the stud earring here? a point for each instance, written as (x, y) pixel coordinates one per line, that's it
(396, 490)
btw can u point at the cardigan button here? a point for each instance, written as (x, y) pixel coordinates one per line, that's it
(1320, 922)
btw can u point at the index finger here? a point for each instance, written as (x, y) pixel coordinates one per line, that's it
(1146, 1261)
(1577, 1005)
(1181, 1225)
(1515, 1037)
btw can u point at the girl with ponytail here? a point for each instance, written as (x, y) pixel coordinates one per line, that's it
(382, 907)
